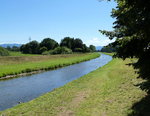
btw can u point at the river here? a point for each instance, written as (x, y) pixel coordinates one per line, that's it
(27, 88)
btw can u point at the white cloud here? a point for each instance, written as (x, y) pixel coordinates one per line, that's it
(98, 42)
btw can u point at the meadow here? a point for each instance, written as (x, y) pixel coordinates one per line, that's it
(19, 63)
(107, 91)
(12, 53)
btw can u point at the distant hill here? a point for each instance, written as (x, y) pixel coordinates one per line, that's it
(10, 45)
(99, 47)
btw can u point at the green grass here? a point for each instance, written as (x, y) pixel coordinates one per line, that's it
(107, 91)
(111, 54)
(21, 54)
(22, 64)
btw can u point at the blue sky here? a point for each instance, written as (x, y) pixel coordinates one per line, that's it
(39, 19)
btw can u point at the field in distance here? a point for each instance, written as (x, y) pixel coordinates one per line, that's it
(23, 63)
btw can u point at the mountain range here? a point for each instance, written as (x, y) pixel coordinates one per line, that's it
(10, 45)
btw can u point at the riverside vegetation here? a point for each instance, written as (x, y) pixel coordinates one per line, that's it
(14, 65)
(113, 89)
(109, 90)
(3, 52)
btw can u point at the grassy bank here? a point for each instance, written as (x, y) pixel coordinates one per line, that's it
(111, 54)
(13, 65)
(107, 91)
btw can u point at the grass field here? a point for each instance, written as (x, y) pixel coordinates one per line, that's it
(111, 54)
(13, 65)
(107, 91)
(20, 54)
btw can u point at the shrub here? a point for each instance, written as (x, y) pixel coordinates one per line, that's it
(3, 52)
(43, 49)
(61, 50)
(28, 70)
(78, 50)
(48, 52)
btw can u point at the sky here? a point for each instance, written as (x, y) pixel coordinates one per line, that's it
(56, 19)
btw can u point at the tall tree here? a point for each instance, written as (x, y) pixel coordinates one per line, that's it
(92, 48)
(132, 32)
(85, 48)
(30, 48)
(49, 43)
(67, 42)
(78, 43)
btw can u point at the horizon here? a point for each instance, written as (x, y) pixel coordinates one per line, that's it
(22, 44)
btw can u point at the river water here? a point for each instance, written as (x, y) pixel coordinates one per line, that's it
(26, 88)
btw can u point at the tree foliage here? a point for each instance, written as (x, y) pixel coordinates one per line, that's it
(30, 48)
(3, 52)
(110, 48)
(67, 42)
(34, 47)
(13, 48)
(50, 46)
(85, 48)
(49, 43)
(92, 48)
(131, 30)
(76, 45)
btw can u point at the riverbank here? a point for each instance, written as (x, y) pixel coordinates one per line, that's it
(107, 91)
(14, 66)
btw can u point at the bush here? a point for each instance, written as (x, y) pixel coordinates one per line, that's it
(43, 49)
(61, 50)
(3, 52)
(78, 50)
(46, 52)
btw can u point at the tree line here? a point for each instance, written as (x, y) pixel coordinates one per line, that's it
(50, 46)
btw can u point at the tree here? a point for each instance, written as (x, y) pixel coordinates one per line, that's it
(43, 49)
(109, 48)
(49, 43)
(25, 48)
(85, 48)
(75, 45)
(67, 42)
(15, 48)
(30, 48)
(8, 48)
(92, 48)
(131, 29)
(34, 46)
(4, 52)
(78, 43)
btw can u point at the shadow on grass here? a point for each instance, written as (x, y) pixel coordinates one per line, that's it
(142, 107)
